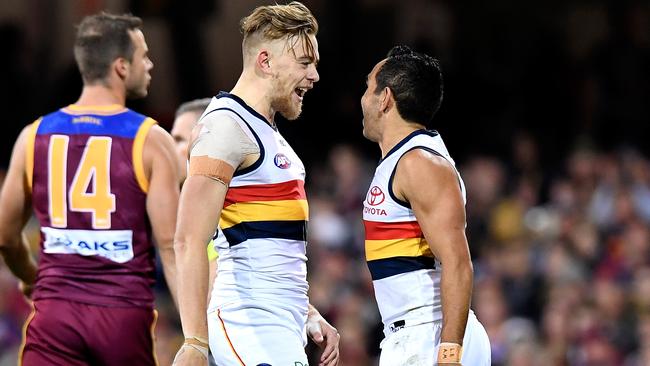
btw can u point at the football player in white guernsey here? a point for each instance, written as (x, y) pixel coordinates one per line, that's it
(414, 217)
(245, 178)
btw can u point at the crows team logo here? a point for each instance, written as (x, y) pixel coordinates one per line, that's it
(281, 161)
(375, 196)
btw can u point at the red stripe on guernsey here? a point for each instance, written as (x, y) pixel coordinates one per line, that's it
(290, 190)
(392, 230)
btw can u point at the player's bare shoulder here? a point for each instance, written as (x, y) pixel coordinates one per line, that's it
(157, 141)
(426, 167)
(23, 139)
(159, 148)
(422, 175)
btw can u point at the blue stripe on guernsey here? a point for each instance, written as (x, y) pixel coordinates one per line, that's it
(246, 106)
(123, 124)
(291, 230)
(382, 268)
(406, 139)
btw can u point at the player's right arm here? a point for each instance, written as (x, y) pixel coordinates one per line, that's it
(214, 156)
(15, 209)
(199, 210)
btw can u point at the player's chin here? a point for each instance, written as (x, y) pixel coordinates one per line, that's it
(292, 114)
(369, 135)
(138, 94)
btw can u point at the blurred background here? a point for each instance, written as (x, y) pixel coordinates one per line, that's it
(546, 111)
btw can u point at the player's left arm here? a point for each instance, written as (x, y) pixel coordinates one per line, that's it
(430, 184)
(324, 335)
(162, 199)
(15, 210)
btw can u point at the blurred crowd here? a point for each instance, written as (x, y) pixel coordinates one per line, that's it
(561, 259)
(558, 226)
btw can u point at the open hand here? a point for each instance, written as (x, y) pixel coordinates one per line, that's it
(325, 336)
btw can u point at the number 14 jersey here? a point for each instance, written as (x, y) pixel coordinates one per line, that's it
(84, 167)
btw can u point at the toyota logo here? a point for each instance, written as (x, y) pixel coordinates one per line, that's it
(375, 196)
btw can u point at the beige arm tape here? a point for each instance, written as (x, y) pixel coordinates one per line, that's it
(449, 352)
(216, 169)
(221, 137)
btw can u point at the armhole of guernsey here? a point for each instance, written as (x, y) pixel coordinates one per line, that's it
(29, 151)
(248, 130)
(138, 149)
(392, 174)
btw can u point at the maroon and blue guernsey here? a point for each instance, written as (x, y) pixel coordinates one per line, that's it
(89, 189)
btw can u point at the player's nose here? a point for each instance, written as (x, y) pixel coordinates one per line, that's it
(312, 74)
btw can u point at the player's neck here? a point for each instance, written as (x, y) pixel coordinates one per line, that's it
(255, 96)
(394, 133)
(99, 94)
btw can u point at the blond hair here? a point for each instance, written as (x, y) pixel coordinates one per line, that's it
(293, 21)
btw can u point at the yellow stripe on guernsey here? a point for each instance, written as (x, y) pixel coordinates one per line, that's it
(153, 337)
(138, 148)
(287, 210)
(29, 151)
(21, 350)
(412, 247)
(102, 110)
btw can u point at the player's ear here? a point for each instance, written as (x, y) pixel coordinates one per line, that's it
(386, 100)
(121, 67)
(263, 61)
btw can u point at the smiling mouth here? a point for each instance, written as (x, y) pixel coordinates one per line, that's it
(300, 92)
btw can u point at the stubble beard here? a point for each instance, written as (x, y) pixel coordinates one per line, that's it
(283, 103)
(137, 91)
(287, 108)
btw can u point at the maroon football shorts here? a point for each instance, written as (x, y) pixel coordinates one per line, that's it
(61, 332)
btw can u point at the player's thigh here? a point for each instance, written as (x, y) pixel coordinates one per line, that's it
(122, 336)
(53, 335)
(255, 337)
(410, 346)
(476, 344)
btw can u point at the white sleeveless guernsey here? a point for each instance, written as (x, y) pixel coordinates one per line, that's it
(405, 273)
(262, 231)
(258, 307)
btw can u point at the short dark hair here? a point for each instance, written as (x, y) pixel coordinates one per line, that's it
(196, 106)
(102, 38)
(416, 82)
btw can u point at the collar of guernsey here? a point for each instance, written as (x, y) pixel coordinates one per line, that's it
(265, 213)
(405, 273)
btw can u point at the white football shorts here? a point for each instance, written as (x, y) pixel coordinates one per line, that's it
(260, 334)
(410, 345)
